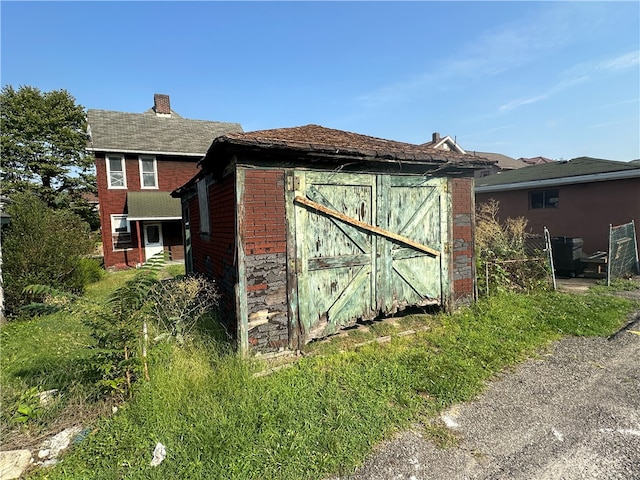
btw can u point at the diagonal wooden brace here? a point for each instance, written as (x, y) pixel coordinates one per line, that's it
(365, 226)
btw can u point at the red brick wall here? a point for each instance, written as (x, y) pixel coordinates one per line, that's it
(172, 173)
(584, 210)
(462, 206)
(214, 253)
(264, 215)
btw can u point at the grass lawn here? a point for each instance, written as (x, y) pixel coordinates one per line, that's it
(317, 418)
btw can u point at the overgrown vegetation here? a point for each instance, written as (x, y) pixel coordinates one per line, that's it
(508, 257)
(317, 418)
(44, 246)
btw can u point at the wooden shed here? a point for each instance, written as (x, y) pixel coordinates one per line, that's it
(308, 230)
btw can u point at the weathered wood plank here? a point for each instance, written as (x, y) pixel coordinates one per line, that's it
(365, 226)
(320, 263)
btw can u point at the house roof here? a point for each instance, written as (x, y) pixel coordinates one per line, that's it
(444, 143)
(502, 161)
(577, 170)
(153, 206)
(148, 133)
(536, 160)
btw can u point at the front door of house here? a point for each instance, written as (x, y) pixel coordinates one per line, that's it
(153, 243)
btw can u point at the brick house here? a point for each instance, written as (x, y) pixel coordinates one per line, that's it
(574, 198)
(307, 230)
(140, 158)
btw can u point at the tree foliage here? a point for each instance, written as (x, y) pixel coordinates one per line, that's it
(42, 246)
(44, 137)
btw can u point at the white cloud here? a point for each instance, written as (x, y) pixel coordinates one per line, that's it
(616, 122)
(579, 73)
(519, 103)
(498, 49)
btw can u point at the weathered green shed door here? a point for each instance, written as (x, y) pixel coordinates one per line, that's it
(365, 244)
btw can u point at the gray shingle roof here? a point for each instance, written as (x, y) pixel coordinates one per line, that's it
(503, 162)
(557, 171)
(147, 133)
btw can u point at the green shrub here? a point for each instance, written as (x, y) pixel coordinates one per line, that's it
(88, 271)
(41, 246)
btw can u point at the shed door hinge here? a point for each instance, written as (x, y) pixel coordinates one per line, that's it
(293, 183)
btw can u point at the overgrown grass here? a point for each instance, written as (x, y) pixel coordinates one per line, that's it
(323, 415)
(46, 353)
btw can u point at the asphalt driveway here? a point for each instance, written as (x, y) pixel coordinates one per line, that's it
(571, 413)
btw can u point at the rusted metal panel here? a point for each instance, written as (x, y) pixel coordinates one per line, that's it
(367, 244)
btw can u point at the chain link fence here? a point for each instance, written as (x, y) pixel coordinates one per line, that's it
(623, 252)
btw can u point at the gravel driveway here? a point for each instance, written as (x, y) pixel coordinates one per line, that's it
(572, 413)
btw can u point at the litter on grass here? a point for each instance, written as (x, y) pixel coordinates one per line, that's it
(158, 454)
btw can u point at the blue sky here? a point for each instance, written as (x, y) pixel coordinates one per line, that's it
(525, 79)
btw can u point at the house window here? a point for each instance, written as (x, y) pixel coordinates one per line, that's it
(116, 171)
(148, 172)
(543, 199)
(120, 232)
(203, 205)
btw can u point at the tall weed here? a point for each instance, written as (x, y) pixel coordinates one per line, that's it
(507, 258)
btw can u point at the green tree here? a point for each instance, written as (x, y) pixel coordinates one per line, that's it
(44, 138)
(42, 246)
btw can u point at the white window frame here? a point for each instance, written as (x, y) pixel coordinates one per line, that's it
(108, 158)
(141, 159)
(203, 205)
(114, 232)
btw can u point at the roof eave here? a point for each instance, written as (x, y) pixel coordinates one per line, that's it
(552, 182)
(144, 152)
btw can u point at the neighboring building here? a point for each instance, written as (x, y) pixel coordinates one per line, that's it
(140, 158)
(444, 143)
(500, 162)
(574, 198)
(536, 160)
(306, 230)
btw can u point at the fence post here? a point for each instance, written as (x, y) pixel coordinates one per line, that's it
(486, 275)
(609, 256)
(635, 238)
(547, 244)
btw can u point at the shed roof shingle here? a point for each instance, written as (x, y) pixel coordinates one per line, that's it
(148, 133)
(339, 143)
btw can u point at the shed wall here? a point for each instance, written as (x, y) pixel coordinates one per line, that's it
(463, 247)
(214, 253)
(264, 242)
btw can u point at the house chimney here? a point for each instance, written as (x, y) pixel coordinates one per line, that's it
(435, 138)
(161, 105)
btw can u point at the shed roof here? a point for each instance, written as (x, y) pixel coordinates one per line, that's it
(148, 133)
(577, 170)
(314, 144)
(322, 140)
